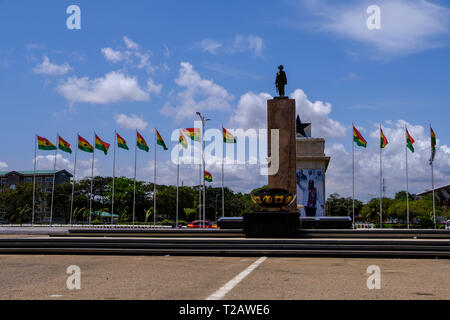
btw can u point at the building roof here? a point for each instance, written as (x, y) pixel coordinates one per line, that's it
(38, 172)
(444, 189)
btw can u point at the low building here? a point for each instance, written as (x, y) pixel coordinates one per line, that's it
(442, 195)
(44, 182)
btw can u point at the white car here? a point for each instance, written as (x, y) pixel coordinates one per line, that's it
(447, 227)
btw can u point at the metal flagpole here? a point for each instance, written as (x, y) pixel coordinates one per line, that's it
(200, 190)
(73, 181)
(353, 180)
(203, 180)
(114, 177)
(223, 177)
(54, 178)
(434, 205)
(154, 187)
(381, 185)
(134, 190)
(432, 183)
(34, 178)
(407, 189)
(92, 182)
(178, 183)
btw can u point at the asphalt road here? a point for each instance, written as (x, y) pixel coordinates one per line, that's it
(183, 277)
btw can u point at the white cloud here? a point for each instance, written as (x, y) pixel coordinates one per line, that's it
(35, 46)
(112, 55)
(209, 45)
(113, 87)
(130, 43)
(47, 162)
(251, 112)
(406, 25)
(318, 114)
(46, 67)
(196, 94)
(3, 165)
(248, 43)
(152, 87)
(339, 174)
(130, 122)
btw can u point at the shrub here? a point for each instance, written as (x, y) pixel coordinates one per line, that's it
(425, 222)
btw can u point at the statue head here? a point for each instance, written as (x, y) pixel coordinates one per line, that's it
(280, 67)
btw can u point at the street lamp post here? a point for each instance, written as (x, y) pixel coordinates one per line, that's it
(202, 118)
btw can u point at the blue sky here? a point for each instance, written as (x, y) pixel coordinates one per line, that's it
(152, 64)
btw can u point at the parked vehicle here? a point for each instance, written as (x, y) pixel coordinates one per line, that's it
(199, 224)
(447, 226)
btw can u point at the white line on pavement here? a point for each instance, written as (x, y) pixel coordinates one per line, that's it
(219, 294)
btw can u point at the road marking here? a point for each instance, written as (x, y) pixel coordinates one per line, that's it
(219, 294)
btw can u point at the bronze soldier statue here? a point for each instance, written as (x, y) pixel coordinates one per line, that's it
(281, 81)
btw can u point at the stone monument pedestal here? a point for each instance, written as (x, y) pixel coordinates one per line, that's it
(271, 224)
(281, 116)
(275, 223)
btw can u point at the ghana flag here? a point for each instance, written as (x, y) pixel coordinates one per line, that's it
(228, 137)
(64, 145)
(208, 176)
(358, 138)
(433, 145)
(433, 139)
(193, 133)
(85, 146)
(160, 141)
(121, 143)
(409, 141)
(101, 145)
(183, 141)
(383, 140)
(45, 144)
(141, 144)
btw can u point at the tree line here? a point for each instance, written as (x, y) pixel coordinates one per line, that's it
(15, 205)
(394, 209)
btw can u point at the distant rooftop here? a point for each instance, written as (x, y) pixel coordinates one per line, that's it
(38, 172)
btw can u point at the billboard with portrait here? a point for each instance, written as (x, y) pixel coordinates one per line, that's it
(310, 192)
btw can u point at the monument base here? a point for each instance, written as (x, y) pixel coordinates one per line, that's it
(271, 224)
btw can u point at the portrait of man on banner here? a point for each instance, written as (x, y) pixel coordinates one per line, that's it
(310, 192)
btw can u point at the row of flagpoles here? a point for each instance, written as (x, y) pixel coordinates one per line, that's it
(44, 144)
(361, 142)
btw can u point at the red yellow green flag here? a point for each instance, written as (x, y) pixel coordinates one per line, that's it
(433, 145)
(64, 145)
(141, 144)
(121, 143)
(409, 141)
(45, 144)
(358, 138)
(228, 137)
(160, 141)
(85, 146)
(433, 139)
(208, 176)
(183, 141)
(383, 140)
(193, 133)
(101, 145)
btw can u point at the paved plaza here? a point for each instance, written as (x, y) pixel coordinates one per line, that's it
(184, 277)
